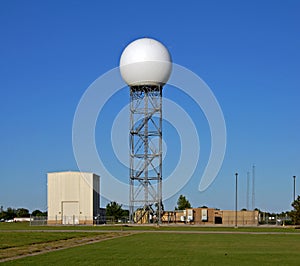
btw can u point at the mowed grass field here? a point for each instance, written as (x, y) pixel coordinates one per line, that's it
(153, 247)
(121, 227)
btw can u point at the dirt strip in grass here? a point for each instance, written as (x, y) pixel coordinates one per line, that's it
(40, 248)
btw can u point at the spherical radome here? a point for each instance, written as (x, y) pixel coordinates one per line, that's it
(145, 62)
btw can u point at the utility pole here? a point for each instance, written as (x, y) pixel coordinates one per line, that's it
(236, 198)
(248, 184)
(253, 187)
(294, 187)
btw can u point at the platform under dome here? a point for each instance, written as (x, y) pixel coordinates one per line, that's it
(145, 62)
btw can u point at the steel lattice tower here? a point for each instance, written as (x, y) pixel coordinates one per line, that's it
(146, 149)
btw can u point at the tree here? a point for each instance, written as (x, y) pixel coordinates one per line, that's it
(114, 209)
(38, 213)
(125, 213)
(295, 214)
(22, 212)
(2, 214)
(9, 214)
(183, 203)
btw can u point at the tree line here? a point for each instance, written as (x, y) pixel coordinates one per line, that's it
(11, 213)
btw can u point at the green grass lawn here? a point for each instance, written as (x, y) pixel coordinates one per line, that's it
(178, 249)
(26, 226)
(18, 239)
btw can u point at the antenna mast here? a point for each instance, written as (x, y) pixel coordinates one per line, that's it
(248, 183)
(253, 187)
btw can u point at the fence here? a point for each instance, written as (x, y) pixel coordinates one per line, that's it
(38, 220)
(114, 220)
(72, 220)
(76, 220)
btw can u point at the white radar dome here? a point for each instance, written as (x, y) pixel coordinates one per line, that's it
(145, 62)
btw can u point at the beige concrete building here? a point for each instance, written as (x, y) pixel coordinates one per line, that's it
(210, 216)
(73, 197)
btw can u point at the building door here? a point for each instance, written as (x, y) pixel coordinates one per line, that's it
(70, 212)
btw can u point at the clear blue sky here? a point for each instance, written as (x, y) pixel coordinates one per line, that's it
(246, 51)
